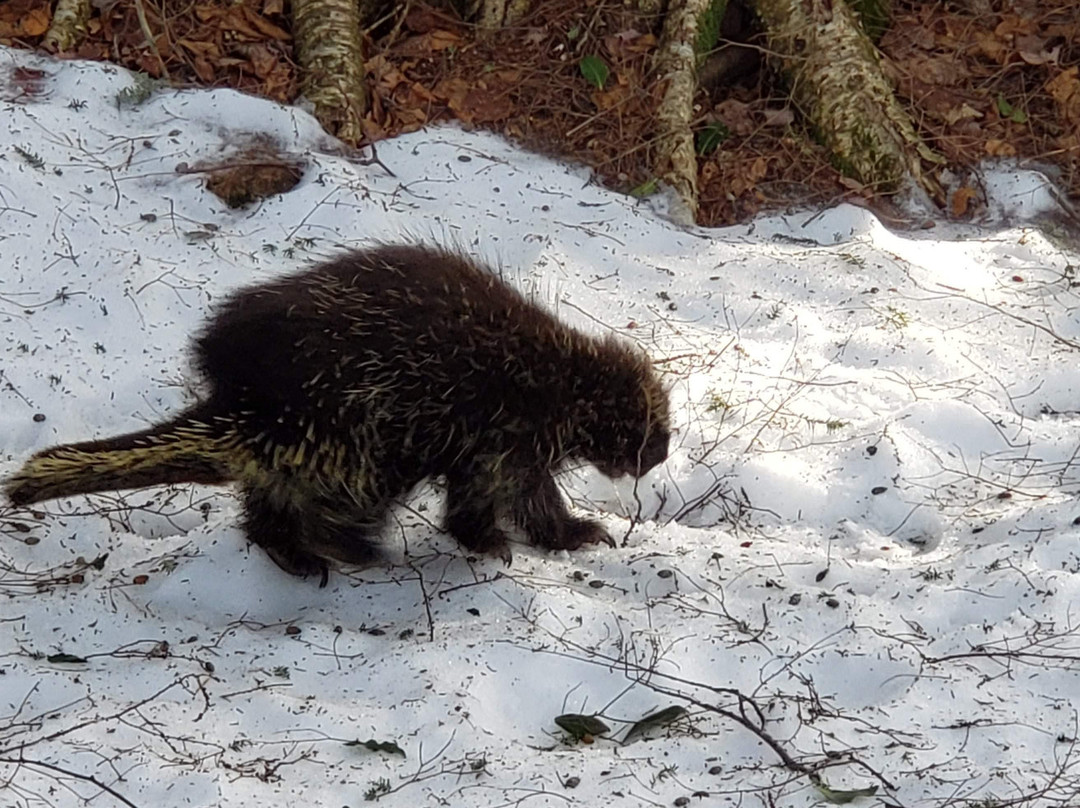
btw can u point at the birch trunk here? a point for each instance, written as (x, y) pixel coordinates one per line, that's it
(838, 84)
(330, 53)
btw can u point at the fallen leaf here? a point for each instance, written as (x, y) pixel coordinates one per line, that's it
(1032, 49)
(646, 43)
(937, 69)
(759, 169)
(778, 117)
(34, 22)
(660, 718)
(961, 113)
(992, 47)
(961, 199)
(264, 26)
(441, 40)
(1064, 88)
(606, 99)
(1013, 24)
(483, 105)
(203, 69)
(736, 116)
(422, 19)
(581, 726)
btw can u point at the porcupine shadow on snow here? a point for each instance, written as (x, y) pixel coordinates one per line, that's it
(336, 390)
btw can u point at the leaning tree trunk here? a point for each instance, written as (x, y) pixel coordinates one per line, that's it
(676, 65)
(68, 26)
(330, 53)
(837, 82)
(490, 15)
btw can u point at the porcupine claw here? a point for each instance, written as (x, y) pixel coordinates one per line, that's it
(298, 563)
(579, 532)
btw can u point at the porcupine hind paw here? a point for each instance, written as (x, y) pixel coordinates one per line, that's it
(471, 516)
(280, 529)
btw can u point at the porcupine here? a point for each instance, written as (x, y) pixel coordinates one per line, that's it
(336, 390)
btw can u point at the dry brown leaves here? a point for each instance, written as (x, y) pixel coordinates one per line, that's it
(993, 85)
(23, 19)
(1000, 84)
(526, 82)
(245, 45)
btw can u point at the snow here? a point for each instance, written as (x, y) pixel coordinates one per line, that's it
(866, 524)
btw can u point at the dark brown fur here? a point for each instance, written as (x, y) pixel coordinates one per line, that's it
(334, 391)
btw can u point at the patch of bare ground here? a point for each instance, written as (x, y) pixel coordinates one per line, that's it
(981, 78)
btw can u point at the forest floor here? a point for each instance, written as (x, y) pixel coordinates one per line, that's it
(982, 81)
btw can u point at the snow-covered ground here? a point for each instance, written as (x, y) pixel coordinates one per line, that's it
(861, 555)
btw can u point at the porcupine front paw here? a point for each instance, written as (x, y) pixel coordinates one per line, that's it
(299, 563)
(575, 533)
(491, 542)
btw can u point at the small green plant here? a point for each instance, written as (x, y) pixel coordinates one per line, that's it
(647, 188)
(707, 140)
(896, 318)
(717, 403)
(142, 87)
(1009, 112)
(595, 70)
(709, 28)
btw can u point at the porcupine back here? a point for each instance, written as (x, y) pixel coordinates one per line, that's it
(335, 390)
(396, 351)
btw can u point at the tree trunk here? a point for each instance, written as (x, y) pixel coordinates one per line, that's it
(838, 84)
(676, 64)
(491, 15)
(68, 25)
(330, 53)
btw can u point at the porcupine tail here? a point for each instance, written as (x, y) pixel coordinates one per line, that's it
(188, 449)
